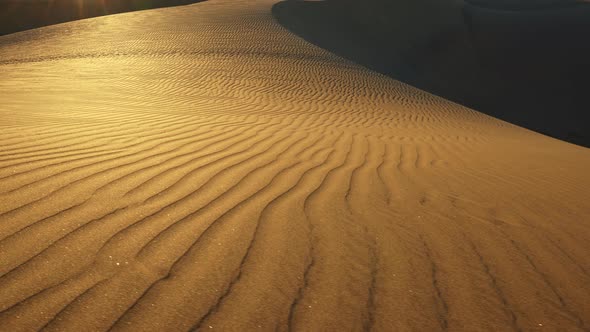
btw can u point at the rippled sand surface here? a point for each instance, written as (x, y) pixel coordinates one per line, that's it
(201, 167)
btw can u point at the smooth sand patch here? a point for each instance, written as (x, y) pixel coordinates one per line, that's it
(19, 15)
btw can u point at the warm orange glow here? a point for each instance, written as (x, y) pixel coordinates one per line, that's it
(217, 167)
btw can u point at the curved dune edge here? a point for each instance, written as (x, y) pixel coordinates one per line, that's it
(20, 15)
(525, 67)
(200, 167)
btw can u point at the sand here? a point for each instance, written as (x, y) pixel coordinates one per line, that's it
(516, 65)
(202, 167)
(19, 15)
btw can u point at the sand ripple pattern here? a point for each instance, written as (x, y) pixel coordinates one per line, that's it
(200, 167)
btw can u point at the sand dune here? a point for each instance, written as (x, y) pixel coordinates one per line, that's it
(202, 167)
(525, 4)
(19, 15)
(515, 60)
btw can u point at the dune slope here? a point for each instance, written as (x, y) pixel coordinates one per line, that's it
(201, 167)
(19, 15)
(528, 67)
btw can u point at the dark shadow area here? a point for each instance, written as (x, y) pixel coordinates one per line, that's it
(19, 15)
(523, 4)
(523, 63)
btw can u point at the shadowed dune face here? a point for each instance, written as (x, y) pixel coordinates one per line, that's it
(19, 15)
(202, 167)
(528, 67)
(524, 4)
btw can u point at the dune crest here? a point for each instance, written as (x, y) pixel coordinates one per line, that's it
(201, 167)
(528, 67)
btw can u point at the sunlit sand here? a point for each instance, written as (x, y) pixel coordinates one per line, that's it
(202, 167)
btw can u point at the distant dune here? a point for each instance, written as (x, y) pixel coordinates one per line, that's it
(205, 168)
(527, 66)
(19, 15)
(525, 4)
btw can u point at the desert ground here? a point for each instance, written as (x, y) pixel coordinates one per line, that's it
(19, 15)
(204, 168)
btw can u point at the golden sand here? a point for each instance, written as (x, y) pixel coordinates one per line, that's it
(201, 167)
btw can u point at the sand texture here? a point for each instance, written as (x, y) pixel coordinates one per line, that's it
(19, 15)
(528, 67)
(202, 167)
